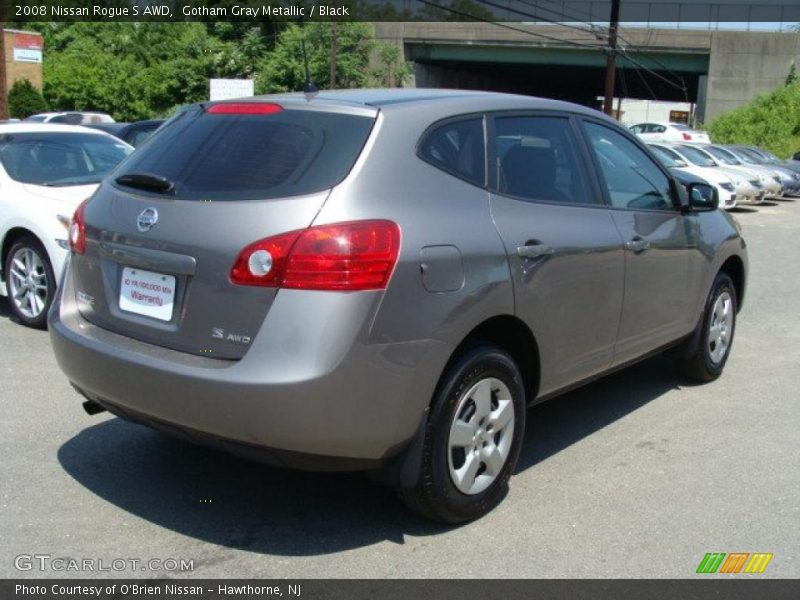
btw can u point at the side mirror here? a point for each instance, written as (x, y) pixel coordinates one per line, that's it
(702, 197)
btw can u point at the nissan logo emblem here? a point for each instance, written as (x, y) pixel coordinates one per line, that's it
(147, 218)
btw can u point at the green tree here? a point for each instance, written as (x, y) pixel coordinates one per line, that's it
(282, 70)
(391, 69)
(771, 121)
(141, 70)
(25, 100)
(791, 78)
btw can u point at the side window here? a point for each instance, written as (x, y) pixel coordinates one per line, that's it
(537, 159)
(637, 129)
(658, 128)
(457, 147)
(632, 178)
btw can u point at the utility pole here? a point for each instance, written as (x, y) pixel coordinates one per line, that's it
(334, 49)
(3, 74)
(611, 63)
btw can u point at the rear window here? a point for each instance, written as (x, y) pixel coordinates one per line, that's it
(248, 157)
(60, 158)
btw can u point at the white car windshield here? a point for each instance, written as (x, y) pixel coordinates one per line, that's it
(59, 158)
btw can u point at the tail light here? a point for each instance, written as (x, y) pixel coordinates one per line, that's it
(357, 255)
(77, 230)
(687, 137)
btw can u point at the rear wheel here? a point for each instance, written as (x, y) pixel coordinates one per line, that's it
(471, 441)
(30, 281)
(704, 355)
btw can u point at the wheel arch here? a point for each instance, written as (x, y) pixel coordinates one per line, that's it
(11, 236)
(734, 267)
(512, 335)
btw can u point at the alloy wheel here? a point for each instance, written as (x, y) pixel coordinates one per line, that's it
(28, 285)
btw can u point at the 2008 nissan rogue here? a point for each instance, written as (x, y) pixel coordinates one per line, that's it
(387, 279)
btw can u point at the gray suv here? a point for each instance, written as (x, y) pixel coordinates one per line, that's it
(385, 280)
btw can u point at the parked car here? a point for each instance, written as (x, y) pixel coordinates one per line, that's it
(71, 118)
(132, 133)
(770, 158)
(45, 172)
(387, 279)
(756, 178)
(789, 178)
(669, 132)
(769, 180)
(751, 163)
(731, 187)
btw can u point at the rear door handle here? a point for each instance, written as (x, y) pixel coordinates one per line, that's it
(534, 249)
(637, 245)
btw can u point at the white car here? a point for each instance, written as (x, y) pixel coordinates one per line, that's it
(74, 117)
(45, 172)
(700, 155)
(731, 188)
(769, 178)
(669, 132)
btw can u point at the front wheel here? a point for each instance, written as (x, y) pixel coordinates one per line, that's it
(704, 355)
(471, 440)
(30, 281)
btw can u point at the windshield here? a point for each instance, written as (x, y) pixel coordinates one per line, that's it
(681, 127)
(664, 157)
(36, 118)
(742, 156)
(697, 157)
(755, 156)
(60, 158)
(722, 155)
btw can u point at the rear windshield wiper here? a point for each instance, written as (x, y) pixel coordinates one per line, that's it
(146, 181)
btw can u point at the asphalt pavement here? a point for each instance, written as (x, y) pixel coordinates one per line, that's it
(636, 475)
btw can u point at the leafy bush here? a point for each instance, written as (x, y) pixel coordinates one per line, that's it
(25, 100)
(771, 121)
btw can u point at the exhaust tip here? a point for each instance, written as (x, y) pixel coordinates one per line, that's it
(92, 408)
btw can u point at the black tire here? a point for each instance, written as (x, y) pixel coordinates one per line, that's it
(32, 244)
(695, 359)
(426, 485)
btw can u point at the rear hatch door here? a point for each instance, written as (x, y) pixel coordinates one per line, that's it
(165, 229)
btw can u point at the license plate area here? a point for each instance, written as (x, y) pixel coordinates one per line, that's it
(147, 293)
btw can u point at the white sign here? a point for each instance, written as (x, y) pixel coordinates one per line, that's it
(29, 55)
(147, 293)
(225, 89)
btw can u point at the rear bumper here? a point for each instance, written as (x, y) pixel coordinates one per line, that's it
(311, 394)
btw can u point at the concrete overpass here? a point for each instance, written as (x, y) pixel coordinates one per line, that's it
(717, 70)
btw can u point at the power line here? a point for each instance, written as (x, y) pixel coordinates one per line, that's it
(536, 6)
(506, 26)
(535, 16)
(678, 76)
(654, 73)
